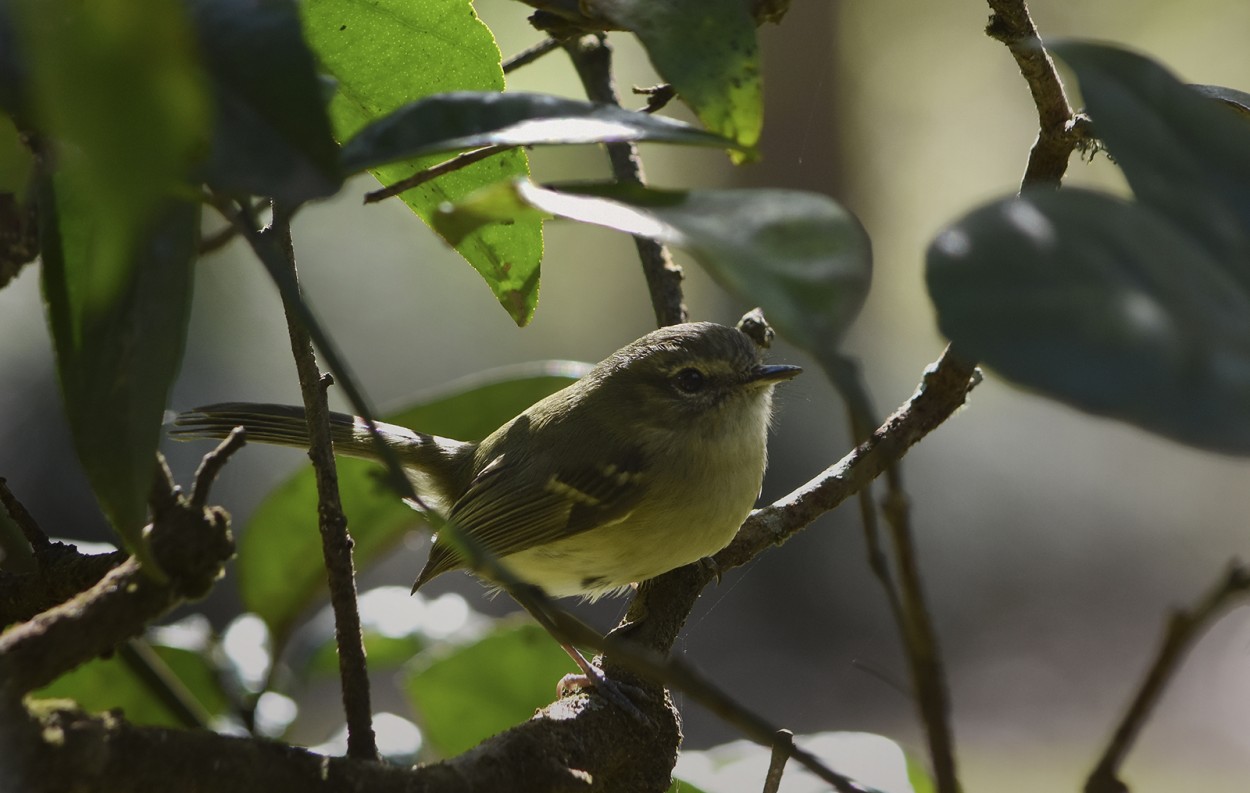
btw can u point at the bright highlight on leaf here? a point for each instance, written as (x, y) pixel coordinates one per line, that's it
(800, 256)
(1135, 310)
(468, 693)
(467, 120)
(385, 54)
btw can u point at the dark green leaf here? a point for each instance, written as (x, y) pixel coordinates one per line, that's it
(1182, 154)
(1238, 100)
(119, 320)
(272, 136)
(104, 684)
(280, 568)
(468, 693)
(388, 53)
(1107, 305)
(802, 257)
(14, 90)
(707, 50)
(468, 119)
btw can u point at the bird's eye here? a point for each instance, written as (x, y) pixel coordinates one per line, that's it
(690, 380)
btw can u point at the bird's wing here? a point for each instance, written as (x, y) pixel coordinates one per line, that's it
(507, 509)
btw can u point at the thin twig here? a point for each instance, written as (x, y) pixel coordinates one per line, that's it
(211, 465)
(1182, 632)
(336, 542)
(923, 655)
(1059, 130)
(435, 171)
(906, 596)
(782, 749)
(25, 521)
(592, 58)
(526, 57)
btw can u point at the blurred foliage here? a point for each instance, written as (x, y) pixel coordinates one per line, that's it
(1136, 310)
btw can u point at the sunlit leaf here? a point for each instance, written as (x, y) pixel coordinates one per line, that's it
(105, 684)
(467, 693)
(707, 50)
(799, 255)
(387, 53)
(466, 120)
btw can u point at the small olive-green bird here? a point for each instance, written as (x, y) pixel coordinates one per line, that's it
(649, 462)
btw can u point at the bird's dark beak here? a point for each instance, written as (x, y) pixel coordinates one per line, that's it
(774, 373)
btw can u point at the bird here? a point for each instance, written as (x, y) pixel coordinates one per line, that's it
(649, 462)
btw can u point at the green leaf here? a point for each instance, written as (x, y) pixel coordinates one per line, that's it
(1237, 100)
(1138, 311)
(707, 50)
(271, 136)
(467, 120)
(874, 762)
(799, 255)
(1182, 154)
(119, 82)
(1108, 305)
(388, 53)
(280, 568)
(468, 693)
(118, 321)
(108, 683)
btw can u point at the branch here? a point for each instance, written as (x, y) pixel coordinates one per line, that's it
(336, 542)
(592, 58)
(61, 749)
(526, 57)
(1059, 129)
(191, 544)
(1183, 631)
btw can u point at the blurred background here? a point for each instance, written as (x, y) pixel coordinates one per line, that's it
(1052, 543)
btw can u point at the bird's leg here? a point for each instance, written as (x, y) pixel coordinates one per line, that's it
(592, 676)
